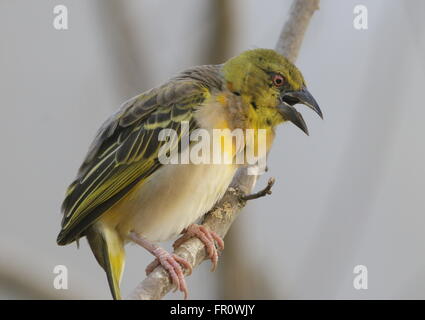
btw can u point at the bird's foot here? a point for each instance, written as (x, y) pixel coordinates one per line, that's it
(172, 263)
(207, 237)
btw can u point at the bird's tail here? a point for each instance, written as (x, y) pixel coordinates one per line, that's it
(108, 248)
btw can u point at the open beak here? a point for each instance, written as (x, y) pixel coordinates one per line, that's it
(289, 99)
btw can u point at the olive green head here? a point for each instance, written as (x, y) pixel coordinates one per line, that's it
(271, 84)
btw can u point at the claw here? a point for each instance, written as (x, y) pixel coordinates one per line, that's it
(170, 262)
(173, 264)
(207, 237)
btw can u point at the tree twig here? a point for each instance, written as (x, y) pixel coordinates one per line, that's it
(221, 217)
(292, 34)
(262, 193)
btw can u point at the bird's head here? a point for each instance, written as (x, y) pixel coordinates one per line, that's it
(271, 85)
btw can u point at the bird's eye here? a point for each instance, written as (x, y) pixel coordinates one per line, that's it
(278, 80)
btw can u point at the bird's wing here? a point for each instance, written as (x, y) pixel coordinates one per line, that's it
(125, 151)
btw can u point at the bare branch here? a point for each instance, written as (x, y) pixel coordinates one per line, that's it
(221, 217)
(262, 193)
(292, 34)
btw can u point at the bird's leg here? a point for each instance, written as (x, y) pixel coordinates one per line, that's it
(170, 262)
(207, 237)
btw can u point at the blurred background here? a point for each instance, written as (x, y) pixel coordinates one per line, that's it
(350, 194)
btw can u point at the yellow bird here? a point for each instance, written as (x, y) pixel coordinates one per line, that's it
(124, 193)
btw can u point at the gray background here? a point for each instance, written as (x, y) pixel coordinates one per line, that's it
(351, 193)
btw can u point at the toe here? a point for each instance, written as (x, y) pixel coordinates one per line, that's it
(168, 265)
(214, 262)
(218, 239)
(207, 240)
(184, 263)
(206, 231)
(178, 272)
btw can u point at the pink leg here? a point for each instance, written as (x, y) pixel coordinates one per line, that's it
(207, 237)
(170, 262)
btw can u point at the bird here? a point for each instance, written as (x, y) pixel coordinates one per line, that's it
(123, 193)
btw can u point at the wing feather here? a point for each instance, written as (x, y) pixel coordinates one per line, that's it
(125, 151)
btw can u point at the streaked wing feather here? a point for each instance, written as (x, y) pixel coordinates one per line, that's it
(125, 152)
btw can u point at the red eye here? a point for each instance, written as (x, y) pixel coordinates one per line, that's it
(278, 80)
